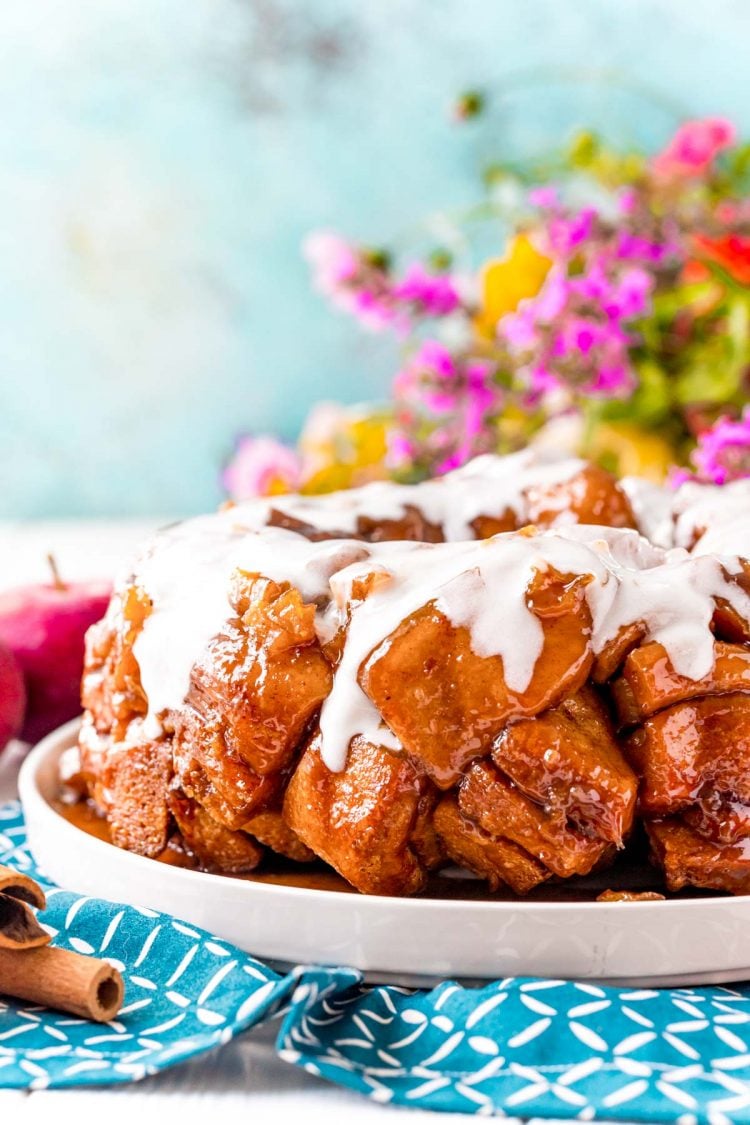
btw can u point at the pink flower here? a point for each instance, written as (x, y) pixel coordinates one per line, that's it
(627, 200)
(628, 294)
(722, 453)
(332, 259)
(575, 334)
(261, 466)
(401, 449)
(679, 476)
(374, 310)
(519, 328)
(447, 408)
(541, 382)
(354, 281)
(553, 296)
(694, 147)
(566, 233)
(431, 357)
(433, 294)
(454, 461)
(545, 196)
(614, 380)
(633, 246)
(579, 335)
(360, 282)
(428, 378)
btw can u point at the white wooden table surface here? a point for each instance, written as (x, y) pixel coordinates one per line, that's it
(245, 1077)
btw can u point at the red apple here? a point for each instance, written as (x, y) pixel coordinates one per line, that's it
(12, 697)
(44, 627)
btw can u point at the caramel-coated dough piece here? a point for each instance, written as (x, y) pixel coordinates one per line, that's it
(125, 773)
(111, 691)
(720, 817)
(703, 744)
(591, 496)
(499, 861)
(411, 525)
(690, 860)
(484, 527)
(608, 660)
(135, 780)
(517, 749)
(84, 766)
(270, 828)
(215, 847)
(446, 704)
(567, 760)
(649, 682)
(502, 810)
(728, 624)
(362, 820)
(264, 677)
(215, 776)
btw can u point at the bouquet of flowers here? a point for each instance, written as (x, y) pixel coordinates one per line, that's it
(612, 320)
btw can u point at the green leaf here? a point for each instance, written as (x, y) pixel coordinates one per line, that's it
(650, 403)
(709, 373)
(584, 149)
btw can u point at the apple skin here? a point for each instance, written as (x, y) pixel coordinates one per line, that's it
(12, 696)
(44, 627)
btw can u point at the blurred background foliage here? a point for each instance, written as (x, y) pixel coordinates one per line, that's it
(160, 164)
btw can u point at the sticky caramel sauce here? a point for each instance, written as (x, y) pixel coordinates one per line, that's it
(314, 876)
(631, 878)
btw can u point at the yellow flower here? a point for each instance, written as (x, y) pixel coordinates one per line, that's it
(343, 447)
(631, 451)
(277, 486)
(508, 281)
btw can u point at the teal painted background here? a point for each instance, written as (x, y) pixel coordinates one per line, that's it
(160, 162)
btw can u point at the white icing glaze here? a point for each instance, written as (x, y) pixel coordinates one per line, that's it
(633, 581)
(186, 569)
(718, 518)
(186, 572)
(652, 506)
(487, 485)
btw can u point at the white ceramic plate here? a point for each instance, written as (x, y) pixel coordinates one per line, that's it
(677, 942)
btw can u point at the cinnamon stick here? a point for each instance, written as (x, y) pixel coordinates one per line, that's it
(19, 928)
(31, 969)
(59, 978)
(18, 885)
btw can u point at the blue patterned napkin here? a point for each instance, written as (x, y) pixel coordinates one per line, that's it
(520, 1047)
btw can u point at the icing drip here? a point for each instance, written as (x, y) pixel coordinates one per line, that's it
(719, 518)
(652, 506)
(670, 592)
(479, 585)
(186, 574)
(186, 568)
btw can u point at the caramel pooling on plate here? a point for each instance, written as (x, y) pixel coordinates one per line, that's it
(31, 969)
